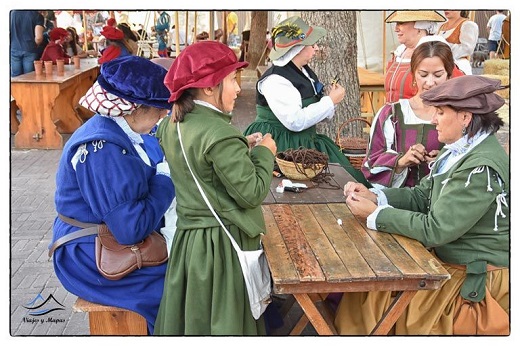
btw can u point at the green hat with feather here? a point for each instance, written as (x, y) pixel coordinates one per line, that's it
(293, 32)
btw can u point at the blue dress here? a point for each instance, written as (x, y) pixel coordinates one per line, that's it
(110, 184)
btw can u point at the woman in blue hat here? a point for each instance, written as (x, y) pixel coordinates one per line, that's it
(106, 175)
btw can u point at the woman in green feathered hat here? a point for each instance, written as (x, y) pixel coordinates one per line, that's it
(290, 100)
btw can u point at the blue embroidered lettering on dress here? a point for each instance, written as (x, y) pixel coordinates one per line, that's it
(98, 144)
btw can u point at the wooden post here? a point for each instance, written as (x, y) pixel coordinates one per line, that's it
(187, 19)
(384, 42)
(211, 25)
(177, 46)
(85, 42)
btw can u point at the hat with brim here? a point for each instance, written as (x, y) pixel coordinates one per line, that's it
(475, 94)
(137, 80)
(201, 65)
(414, 16)
(293, 32)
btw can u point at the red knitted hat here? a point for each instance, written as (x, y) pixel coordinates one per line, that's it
(201, 65)
(112, 33)
(58, 34)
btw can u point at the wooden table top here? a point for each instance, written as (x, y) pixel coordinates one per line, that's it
(309, 251)
(69, 73)
(322, 193)
(370, 79)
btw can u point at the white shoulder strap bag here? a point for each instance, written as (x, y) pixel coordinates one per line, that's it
(254, 264)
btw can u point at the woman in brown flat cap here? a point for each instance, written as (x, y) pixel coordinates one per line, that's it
(205, 292)
(460, 211)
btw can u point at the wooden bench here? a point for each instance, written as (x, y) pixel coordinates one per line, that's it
(110, 320)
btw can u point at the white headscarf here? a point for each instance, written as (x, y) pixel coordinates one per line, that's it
(430, 27)
(291, 53)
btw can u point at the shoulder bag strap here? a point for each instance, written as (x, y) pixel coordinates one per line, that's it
(87, 229)
(233, 242)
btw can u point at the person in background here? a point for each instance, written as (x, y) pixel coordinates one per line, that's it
(403, 141)
(410, 27)
(219, 33)
(141, 33)
(56, 48)
(494, 27)
(290, 98)
(172, 40)
(49, 23)
(72, 47)
(232, 29)
(460, 211)
(203, 36)
(462, 35)
(204, 291)
(162, 27)
(98, 21)
(130, 37)
(105, 176)
(116, 44)
(26, 35)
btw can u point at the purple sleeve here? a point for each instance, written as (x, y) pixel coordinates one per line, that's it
(378, 155)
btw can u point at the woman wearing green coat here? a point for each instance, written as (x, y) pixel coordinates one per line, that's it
(460, 211)
(205, 292)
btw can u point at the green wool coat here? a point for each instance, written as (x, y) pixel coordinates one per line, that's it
(454, 213)
(204, 292)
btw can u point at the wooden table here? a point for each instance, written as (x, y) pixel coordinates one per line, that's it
(372, 91)
(310, 255)
(49, 104)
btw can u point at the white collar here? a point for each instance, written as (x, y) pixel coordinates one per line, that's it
(123, 124)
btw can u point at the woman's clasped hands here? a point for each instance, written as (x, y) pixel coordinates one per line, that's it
(361, 201)
(266, 140)
(415, 155)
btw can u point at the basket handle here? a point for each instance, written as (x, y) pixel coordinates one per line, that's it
(338, 135)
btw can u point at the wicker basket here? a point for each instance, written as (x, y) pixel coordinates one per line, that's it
(289, 169)
(354, 148)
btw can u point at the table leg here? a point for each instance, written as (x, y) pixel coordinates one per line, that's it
(393, 312)
(319, 317)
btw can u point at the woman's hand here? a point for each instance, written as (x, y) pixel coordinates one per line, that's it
(360, 190)
(268, 142)
(432, 155)
(336, 92)
(415, 155)
(360, 206)
(254, 138)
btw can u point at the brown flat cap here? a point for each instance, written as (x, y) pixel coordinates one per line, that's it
(475, 94)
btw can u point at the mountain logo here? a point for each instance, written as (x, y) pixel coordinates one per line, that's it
(39, 306)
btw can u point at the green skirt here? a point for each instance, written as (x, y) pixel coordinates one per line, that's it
(308, 139)
(204, 290)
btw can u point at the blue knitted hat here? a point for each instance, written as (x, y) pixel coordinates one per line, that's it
(137, 80)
